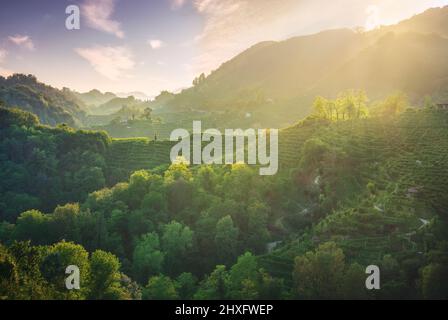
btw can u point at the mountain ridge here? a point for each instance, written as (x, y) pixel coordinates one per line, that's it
(284, 77)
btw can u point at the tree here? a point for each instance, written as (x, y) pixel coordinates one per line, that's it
(322, 109)
(257, 232)
(9, 276)
(58, 258)
(64, 221)
(361, 101)
(319, 274)
(270, 288)
(139, 186)
(160, 288)
(199, 80)
(205, 243)
(214, 287)
(147, 113)
(349, 104)
(9, 116)
(434, 281)
(186, 286)
(28, 261)
(226, 240)
(392, 106)
(354, 283)
(6, 232)
(176, 242)
(180, 193)
(147, 258)
(206, 178)
(243, 277)
(105, 276)
(178, 179)
(30, 225)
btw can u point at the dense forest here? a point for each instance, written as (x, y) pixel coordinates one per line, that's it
(43, 166)
(344, 199)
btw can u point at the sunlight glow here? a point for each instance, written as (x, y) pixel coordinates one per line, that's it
(373, 18)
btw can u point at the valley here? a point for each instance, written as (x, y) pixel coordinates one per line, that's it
(89, 179)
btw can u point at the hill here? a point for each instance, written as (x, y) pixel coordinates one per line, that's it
(409, 62)
(370, 144)
(136, 94)
(116, 104)
(431, 21)
(280, 79)
(51, 105)
(350, 193)
(41, 167)
(94, 98)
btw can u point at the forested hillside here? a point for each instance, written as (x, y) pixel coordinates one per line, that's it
(42, 166)
(351, 192)
(115, 104)
(51, 105)
(280, 79)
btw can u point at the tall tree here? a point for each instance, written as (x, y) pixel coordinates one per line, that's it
(319, 274)
(148, 258)
(176, 241)
(105, 277)
(226, 240)
(160, 288)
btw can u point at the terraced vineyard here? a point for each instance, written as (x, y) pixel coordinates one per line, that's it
(128, 155)
(413, 150)
(409, 152)
(366, 140)
(421, 166)
(415, 146)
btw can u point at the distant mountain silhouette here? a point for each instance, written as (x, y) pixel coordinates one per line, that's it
(94, 98)
(136, 94)
(284, 77)
(114, 105)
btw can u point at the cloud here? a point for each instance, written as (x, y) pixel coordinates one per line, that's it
(156, 44)
(98, 14)
(230, 26)
(113, 63)
(3, 54)
(23, 41)
(4, 72)
(176, 4)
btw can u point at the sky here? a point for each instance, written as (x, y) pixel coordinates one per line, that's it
(155, 45)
